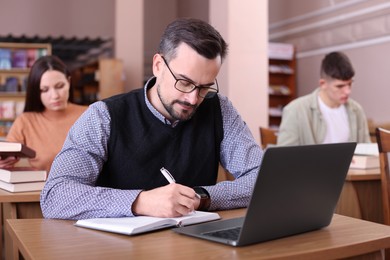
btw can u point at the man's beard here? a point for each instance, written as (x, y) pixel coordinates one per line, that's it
(186, 115)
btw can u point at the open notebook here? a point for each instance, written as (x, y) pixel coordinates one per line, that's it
(141, 224)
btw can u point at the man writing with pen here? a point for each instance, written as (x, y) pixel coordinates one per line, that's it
(110, 163)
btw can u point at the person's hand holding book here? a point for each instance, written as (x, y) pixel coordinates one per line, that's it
(7, 162)
(11, 152)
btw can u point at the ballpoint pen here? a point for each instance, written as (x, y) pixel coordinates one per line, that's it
(167, 175)
(170, 178)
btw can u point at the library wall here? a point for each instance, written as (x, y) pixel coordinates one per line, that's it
(155, 27)
(86, 18)
(243, 77)
(95, 18)
(360, 28)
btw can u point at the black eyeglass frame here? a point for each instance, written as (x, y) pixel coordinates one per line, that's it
(210, 93)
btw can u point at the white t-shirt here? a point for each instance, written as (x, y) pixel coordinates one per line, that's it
(337, 124)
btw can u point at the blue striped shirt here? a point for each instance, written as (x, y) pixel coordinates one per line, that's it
(70, 191)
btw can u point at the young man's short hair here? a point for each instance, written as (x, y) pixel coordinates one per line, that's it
(336, 65)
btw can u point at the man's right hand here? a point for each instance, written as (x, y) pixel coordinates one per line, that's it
(173, 200)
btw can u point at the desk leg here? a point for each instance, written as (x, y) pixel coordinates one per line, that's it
(11, 250)
(14, 210)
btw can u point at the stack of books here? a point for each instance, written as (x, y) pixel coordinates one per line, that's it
(366, 156)
(20, 179)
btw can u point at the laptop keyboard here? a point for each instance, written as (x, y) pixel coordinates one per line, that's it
(230, 234)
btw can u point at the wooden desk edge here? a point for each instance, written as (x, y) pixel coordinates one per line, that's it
(380, 242)
(363, 175)
(32, 196)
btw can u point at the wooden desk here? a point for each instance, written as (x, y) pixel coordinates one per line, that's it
(60, 239)
(361, 196)
(14, 206)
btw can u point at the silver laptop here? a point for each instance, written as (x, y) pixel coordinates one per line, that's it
(296, 191)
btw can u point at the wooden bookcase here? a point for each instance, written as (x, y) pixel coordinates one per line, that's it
(98, 80)
(282, 87)
(16, 60)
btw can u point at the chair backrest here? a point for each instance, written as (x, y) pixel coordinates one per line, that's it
(383, 139)
(267, 136)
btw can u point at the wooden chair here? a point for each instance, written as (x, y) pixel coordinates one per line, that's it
(224, 175)
(383, 139)
(267, 136)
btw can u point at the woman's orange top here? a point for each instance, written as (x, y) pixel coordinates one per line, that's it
(45, 132)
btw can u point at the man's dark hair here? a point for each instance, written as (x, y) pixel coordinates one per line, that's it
(336, 65)
(199, 35)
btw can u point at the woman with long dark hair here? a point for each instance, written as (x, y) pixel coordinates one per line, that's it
(48, 114)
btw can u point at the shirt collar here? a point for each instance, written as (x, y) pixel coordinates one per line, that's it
(149, 84)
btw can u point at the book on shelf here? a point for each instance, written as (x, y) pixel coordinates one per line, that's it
(7, 109)
(283, 69)
(5, 58)
(23, 84)
(275, 111)
(279, 90)
(5, 126)
(22, 174)
(142, 224)
(19, 58)
(42, 52)
(19, 107)
(11, 84)
(22, 186)
(32, 56)
(16, 149)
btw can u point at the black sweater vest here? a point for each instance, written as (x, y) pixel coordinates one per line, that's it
(140, 144)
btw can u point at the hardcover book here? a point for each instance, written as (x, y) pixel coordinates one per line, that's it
(19, 58)
(11, 84)
(141, 224)
(22, 186)
(22, 174)
(7, 109)
(32, 56)
(16, 149)
(5, 58)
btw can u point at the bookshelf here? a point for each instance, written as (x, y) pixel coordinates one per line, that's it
(282, 87)
(98, 80)
(16, 60)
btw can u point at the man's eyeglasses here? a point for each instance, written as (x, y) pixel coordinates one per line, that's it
(186, 86)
